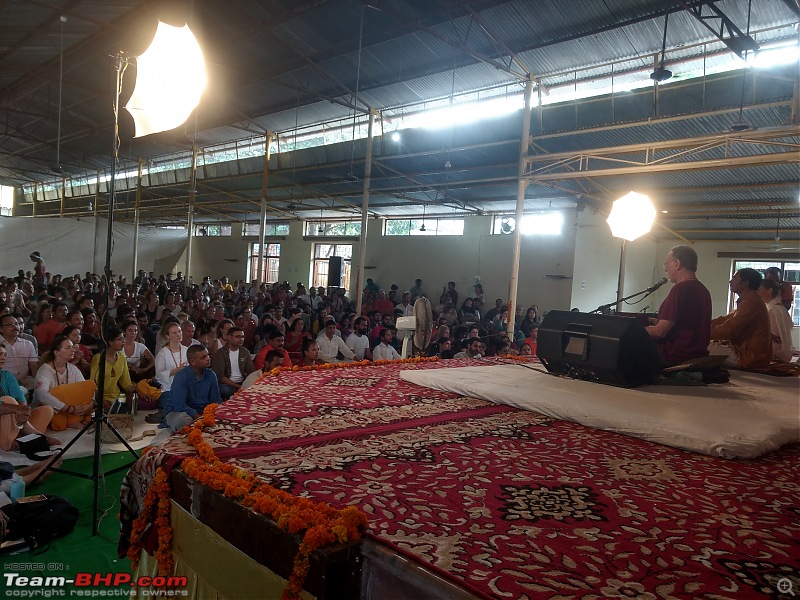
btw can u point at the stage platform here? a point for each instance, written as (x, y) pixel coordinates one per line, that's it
(498, 502)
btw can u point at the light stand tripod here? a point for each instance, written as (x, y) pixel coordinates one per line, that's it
(99, 418)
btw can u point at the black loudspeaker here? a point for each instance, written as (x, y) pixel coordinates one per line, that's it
(335, 271)
(602, 348)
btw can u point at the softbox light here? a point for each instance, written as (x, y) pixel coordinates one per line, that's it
(631, 216)
(170, 79)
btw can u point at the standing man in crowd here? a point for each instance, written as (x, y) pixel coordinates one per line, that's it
(683, 328)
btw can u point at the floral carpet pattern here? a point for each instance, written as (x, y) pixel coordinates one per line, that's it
(508, 503)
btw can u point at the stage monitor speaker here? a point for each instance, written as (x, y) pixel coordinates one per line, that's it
(335, 271)
(601, 348)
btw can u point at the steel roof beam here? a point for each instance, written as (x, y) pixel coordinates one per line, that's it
(739, 42)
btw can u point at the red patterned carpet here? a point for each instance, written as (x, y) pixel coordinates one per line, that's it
(512, 504)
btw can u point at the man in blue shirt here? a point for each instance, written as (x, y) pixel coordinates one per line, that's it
(193, 388)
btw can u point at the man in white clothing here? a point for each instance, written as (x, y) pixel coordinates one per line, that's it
(473, 349)
(780, 323)
(405, 305)
(384, 350)
(330, 344)
(358, 341)
(21, 357)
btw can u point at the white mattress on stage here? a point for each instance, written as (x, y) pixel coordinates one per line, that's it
(750, 416)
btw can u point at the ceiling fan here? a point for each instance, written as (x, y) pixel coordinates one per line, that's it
(776, 246)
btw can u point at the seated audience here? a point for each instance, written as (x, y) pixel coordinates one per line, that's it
(331, 345)
(232, 363)
(473, 349)
(194, 387)
(117, 377)
(83, 356)
(786, 288)
(55, 370)
(141, 362)
(682, 330)
(22, 360)
(746, 330)
(780, 323)
(310, 354)
(295, 334)
(170, 360)
(384, 350)
(275, 341)
(358, 342)
(221, 329)
(16, 417)
(272, 360)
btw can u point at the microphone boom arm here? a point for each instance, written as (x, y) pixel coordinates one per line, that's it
(604, 307)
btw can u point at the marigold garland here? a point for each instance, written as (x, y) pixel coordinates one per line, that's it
(320, 524)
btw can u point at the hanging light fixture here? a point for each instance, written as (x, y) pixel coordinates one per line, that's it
(662, 74)
(170, 79)
(422, 227)
(321, 226)
(740, 124)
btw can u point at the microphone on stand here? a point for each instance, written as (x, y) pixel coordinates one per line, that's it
(657, 285)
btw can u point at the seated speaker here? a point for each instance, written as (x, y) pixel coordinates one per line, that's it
(603, 348)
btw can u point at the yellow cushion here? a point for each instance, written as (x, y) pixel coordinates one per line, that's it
(72, 394)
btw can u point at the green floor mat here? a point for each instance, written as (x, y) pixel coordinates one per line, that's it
(80, 551)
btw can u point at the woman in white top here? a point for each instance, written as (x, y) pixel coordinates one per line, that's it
(139, 358)
(221, 329)
(171, 359)
(55, 369)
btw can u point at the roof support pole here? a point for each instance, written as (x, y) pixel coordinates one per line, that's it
(63, 195)
(190, 218)
(96, 222)
(135, 266)
(262, 221)
(362, 242)
(623, 257)
(522, 184)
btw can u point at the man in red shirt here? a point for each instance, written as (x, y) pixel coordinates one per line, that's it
(683, 328)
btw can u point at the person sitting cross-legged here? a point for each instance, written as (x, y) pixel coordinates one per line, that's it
(384, 349)
(193, 388)
(232, 363)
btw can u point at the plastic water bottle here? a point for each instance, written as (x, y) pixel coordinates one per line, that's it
(17, 487)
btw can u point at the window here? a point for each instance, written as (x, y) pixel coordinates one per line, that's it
(221, 230)
(333, 228)
(791, 273)
(424, 227)
(272, 263)
(322, 254)
(6, 200)
(251, 229)
(534, 224)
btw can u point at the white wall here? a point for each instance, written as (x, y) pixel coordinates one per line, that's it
(597, 256)
(402, 259)
(71, 245)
